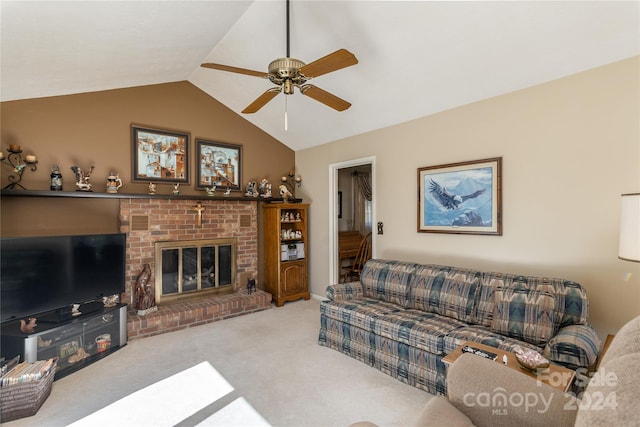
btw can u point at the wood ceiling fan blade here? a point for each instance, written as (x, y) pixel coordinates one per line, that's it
(262, 100)
(328, 99)
(235, 69)
(337, 60)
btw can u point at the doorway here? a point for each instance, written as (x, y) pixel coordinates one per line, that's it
(348, 211)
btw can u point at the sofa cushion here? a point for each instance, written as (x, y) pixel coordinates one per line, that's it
(483, 335)
(527, 315)
(415, 375)
(416, 328)
(485, 303)
(448, 291)
(572, 305)
(387, 280)
(360, 313)
(348, 333)
(571, 308)
(350, 347)
(409, 354)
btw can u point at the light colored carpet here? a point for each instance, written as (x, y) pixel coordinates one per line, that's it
(205, 385)
(260, 369)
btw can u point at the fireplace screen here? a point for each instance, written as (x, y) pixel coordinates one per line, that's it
(192, 267)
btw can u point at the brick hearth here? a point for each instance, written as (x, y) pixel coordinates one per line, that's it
(181, 315)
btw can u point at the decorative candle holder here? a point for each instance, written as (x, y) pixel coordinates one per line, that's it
(290, 183)
(18, 164)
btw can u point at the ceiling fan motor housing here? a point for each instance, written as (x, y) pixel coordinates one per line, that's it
(286, 72)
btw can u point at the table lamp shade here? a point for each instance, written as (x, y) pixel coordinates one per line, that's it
(630, 228)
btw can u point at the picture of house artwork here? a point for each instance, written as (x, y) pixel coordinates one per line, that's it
(219, 167)
(160, 156)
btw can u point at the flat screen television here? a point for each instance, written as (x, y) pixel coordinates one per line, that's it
(40, 274)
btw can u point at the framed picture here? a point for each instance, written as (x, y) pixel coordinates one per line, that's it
(461, 198)
(160, 155)
(219, 164)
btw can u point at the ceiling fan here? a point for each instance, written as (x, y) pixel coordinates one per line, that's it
(288, 73)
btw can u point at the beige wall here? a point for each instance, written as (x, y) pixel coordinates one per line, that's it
(95, 128)
(569, 147)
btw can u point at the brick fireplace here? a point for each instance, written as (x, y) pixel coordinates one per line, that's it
(148, 220)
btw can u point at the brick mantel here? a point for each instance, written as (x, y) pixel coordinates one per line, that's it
(147, 220)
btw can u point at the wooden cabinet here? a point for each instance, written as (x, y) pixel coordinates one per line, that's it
(285, 247)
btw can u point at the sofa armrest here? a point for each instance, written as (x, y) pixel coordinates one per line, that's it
(344, 291)
(492, 394)
(574, 346)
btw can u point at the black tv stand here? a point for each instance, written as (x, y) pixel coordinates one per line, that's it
(65, 313)
(77, 342)
(54, 317)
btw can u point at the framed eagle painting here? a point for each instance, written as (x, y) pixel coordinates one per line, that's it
(461, 198)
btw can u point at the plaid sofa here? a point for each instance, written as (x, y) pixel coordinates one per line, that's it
(403, 318)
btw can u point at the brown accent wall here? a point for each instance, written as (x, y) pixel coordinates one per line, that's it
(95, 128)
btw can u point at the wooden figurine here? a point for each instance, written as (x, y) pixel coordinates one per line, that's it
(29, 326)
(144, 292)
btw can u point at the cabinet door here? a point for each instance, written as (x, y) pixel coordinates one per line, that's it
(293, 277)
(101, 332)
(62, 342)
(75, 341)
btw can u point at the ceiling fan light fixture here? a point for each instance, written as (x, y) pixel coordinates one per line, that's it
(287, 73)
(287, 87)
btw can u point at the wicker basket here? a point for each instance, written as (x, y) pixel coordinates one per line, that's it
(25, 399)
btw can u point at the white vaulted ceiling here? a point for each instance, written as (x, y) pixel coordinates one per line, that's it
(416, 58)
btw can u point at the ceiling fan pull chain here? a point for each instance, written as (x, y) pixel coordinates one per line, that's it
(286, 118)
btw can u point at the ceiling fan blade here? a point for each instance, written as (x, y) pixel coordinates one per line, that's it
(337, 60)
(262, 100)
(235, 69)
(328, 99)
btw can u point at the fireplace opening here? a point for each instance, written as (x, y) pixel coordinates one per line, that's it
(190, 269)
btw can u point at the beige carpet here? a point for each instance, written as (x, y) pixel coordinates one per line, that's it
(263, 369)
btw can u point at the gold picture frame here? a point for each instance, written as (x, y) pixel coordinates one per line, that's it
(461, 198)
